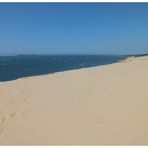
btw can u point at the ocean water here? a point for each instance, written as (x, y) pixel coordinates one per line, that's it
(16, 66)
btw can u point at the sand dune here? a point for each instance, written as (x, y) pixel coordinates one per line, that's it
(105, 105)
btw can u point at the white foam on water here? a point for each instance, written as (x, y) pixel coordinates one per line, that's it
(83, 64)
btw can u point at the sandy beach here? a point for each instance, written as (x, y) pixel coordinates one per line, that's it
(104, 105)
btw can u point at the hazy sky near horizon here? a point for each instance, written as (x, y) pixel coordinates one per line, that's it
(73, 28)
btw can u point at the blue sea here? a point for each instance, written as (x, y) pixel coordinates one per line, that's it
(16, 66)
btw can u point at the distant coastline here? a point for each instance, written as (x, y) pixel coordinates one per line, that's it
(133, 55)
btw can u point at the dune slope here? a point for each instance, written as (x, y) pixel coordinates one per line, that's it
(105, 105)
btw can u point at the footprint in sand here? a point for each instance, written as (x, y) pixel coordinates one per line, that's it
(28, 103)
(21, 93)
(11, 101)
(1, 114)
(12, 115)
(24, 113)
(24, 100)
(29, 90)
(3, 119)
(25, 92)
(1, 131)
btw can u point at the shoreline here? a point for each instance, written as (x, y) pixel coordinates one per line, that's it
(124, 59)
(104, 105)
(67, 70)
(13, 68)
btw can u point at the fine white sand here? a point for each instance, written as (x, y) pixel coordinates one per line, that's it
(105, 105)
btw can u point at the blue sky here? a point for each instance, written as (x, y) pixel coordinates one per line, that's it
(73, 28)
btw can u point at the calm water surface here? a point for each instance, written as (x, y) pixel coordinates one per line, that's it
(13, 67)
